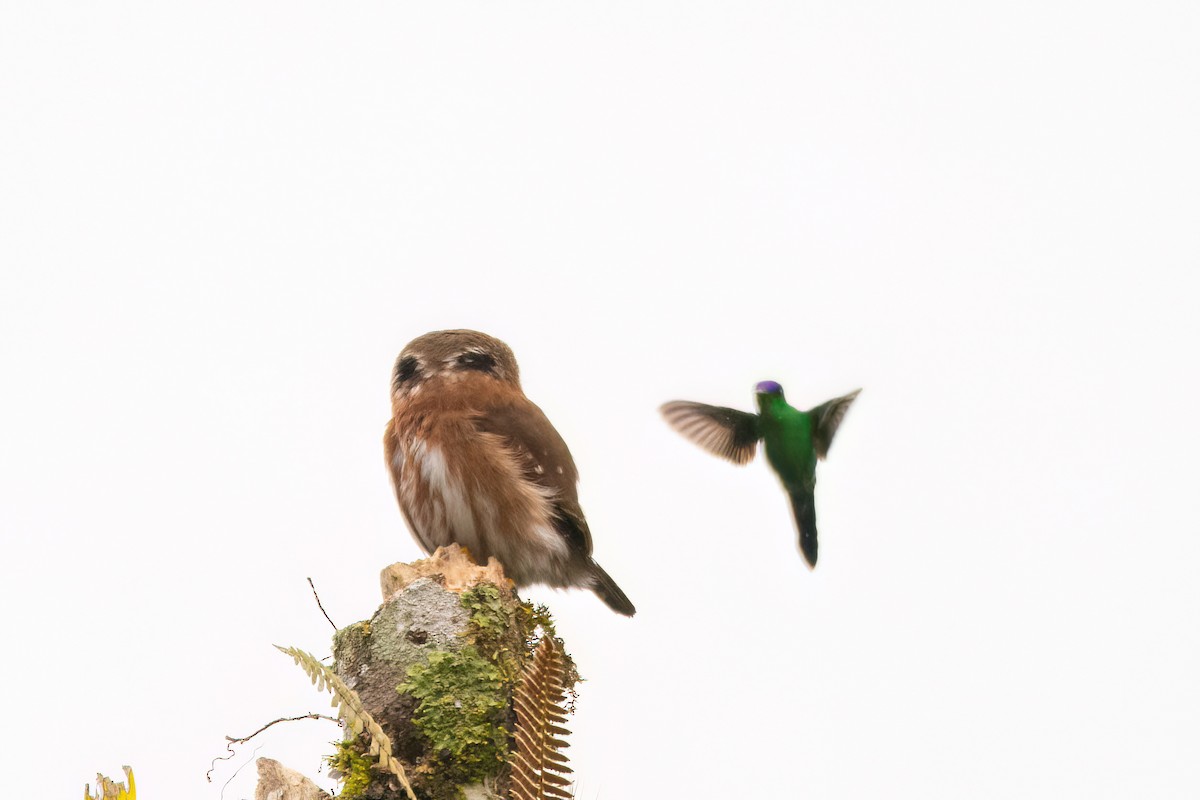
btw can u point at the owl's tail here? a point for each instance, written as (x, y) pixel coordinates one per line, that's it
(608, 591)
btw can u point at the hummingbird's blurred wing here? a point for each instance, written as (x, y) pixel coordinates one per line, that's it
(725, 432)
(826, 418)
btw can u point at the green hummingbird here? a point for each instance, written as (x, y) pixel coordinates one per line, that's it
(794, 441)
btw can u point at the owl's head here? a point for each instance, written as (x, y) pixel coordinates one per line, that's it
(446, 354)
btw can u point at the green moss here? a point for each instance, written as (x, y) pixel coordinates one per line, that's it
(489, 608)
(354, 768)
(462, 706)
(534, 619)
(504, 629)
(496, 628)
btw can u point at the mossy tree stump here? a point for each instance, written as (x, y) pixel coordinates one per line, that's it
(437, 666)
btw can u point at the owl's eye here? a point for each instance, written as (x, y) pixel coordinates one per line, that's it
(478, 361)
(406, 370)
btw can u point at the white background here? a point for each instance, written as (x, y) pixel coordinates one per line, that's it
(219, 223)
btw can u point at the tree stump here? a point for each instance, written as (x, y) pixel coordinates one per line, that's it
(436, 667)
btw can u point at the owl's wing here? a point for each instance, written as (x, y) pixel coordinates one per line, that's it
(544, 460)
(725, 432)
(826, 419)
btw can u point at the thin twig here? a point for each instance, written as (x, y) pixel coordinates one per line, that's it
(225, 785)
(242, 740)
(314, 588)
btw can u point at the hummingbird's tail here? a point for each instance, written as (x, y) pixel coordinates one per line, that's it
(608, 591)
(805, 513)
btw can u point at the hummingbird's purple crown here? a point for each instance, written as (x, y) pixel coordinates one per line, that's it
(768, 387)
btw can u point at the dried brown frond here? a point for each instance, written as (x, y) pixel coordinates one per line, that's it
(539, 766)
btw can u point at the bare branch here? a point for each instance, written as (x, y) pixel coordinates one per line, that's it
(242, 740)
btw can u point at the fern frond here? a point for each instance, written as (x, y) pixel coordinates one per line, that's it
(538, 764)
(350, 709)
(111, 790)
